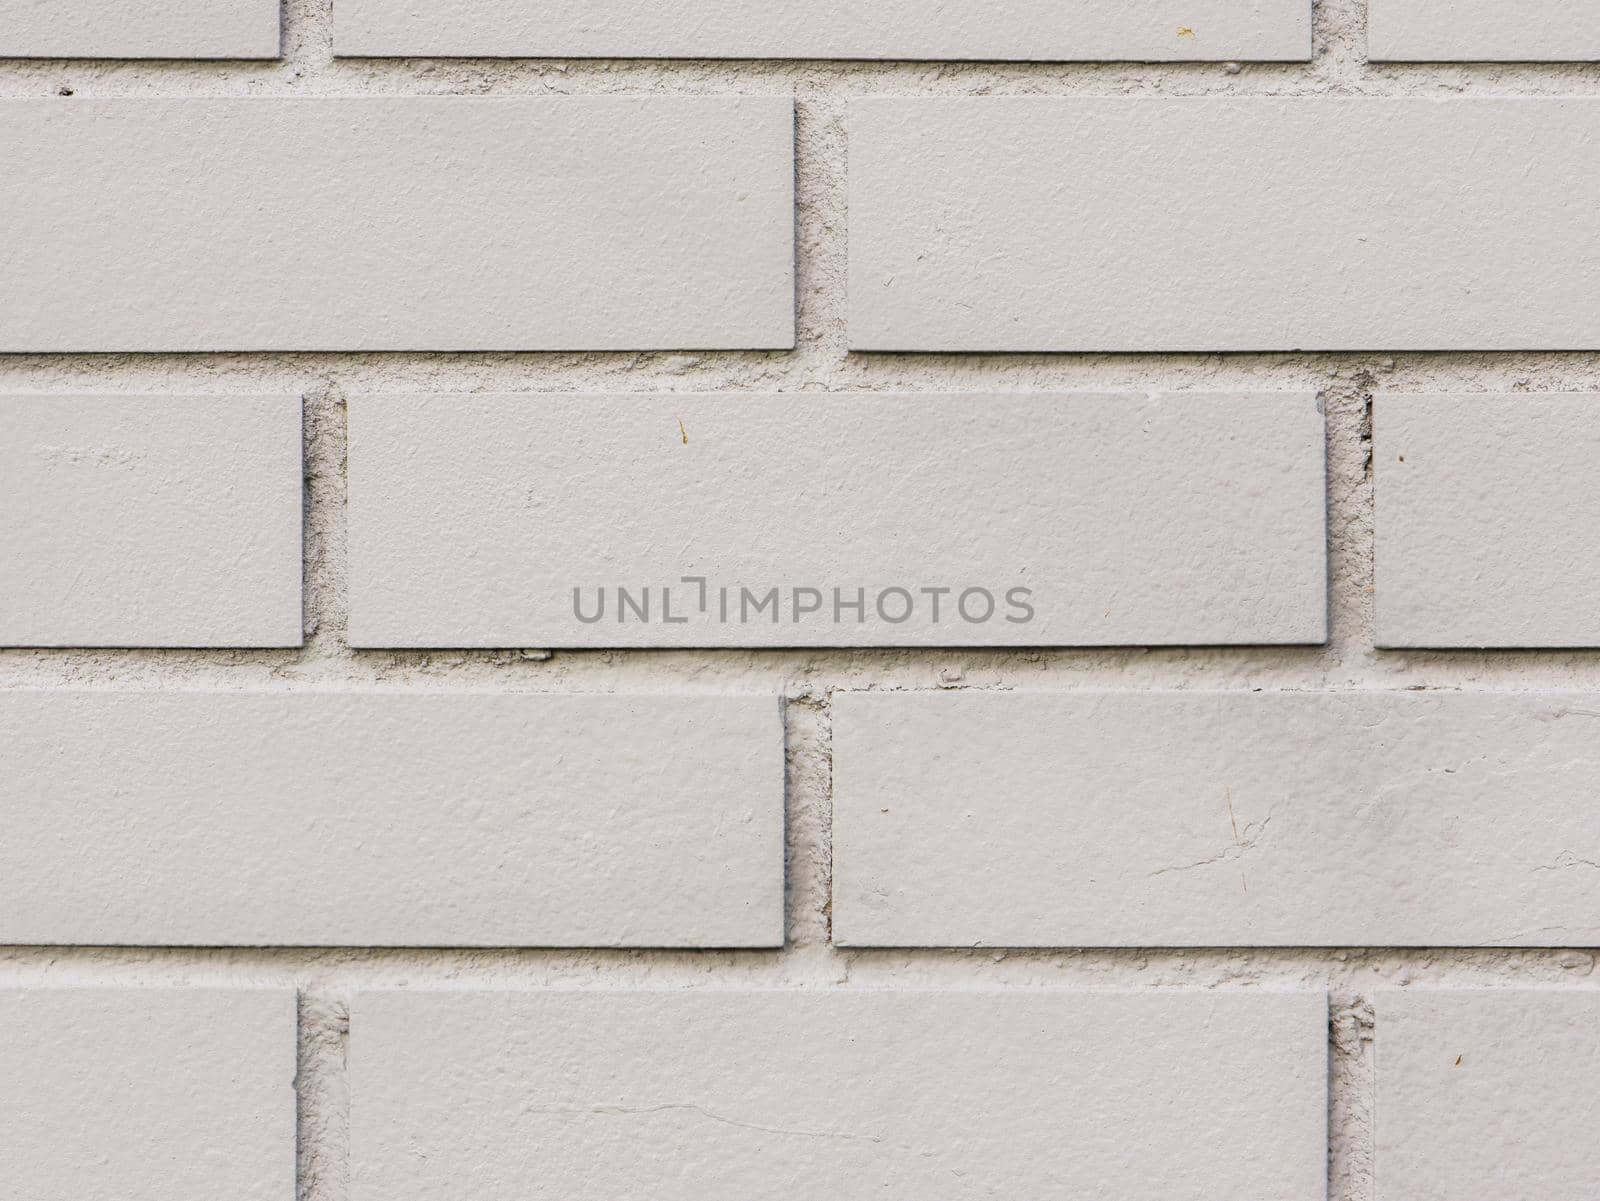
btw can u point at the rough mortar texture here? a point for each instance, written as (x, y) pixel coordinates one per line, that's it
(807, 678)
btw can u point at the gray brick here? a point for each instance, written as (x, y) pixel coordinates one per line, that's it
(398, 223)
(147, 1094)
(139, 29)
(830, 1095)
(1228, 224)
(1488, 520)
(1155, 30)
(1487, 1094)
(150, 520)
(365, 819)
(1117, 519)
(1214, 819)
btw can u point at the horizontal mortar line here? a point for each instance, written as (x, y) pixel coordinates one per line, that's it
(421, 78)
(445, 974)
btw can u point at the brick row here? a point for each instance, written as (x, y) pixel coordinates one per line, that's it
(959, 819)
(1016, 30)
(763, 520)
(605, 223)
(129, 1092)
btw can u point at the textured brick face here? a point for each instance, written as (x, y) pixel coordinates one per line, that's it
(398, 223)
(1215, 224)
(450, 819)
(1488, 520)
(1488, 1094)
(139, 28)
(836, 521)
(1254, 819)
(147, 1094)
(1481, 30)
(150, 521)
(719, 1095)
(1155, 30)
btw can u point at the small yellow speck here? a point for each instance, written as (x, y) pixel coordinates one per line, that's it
(1185, 32)
(683, 433)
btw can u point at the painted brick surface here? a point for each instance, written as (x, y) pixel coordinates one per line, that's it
(398, 223)
(1488, 520)
(1214, 819)
(670, 241)
(139, 28)
(1482, 30)
(409, 820)
(147, 1094)
(710, 1095)
(952, 520)
(1210, 30)
(150, 520)
(1488, 1094)
(1217, 224)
